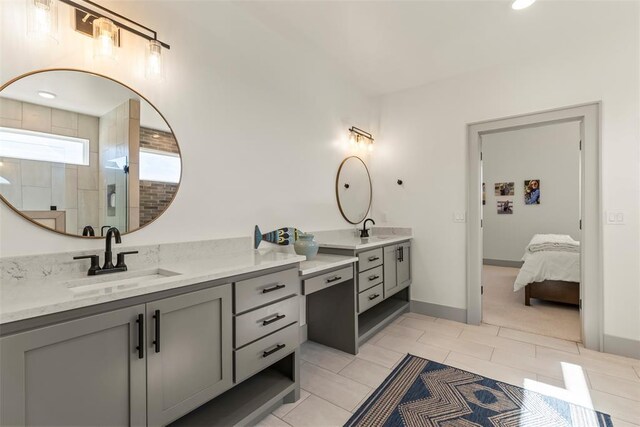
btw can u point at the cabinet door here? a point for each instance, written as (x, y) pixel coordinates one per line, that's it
(190, 354)
(84, 372)
(390, 280)
(404, 265)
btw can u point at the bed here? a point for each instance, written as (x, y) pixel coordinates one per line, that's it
(551, 269)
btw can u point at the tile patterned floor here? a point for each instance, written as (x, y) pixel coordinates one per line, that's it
(334, 384)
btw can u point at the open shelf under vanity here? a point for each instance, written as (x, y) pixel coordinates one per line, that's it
(378, 317)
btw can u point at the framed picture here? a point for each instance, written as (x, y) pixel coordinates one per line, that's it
(504, 188)
(505, 207)
(532, 192)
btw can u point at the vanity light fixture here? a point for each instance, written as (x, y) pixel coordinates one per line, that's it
(106, 39)
(360, 138)
(521, 4)
(46, 95)
(42, 19)
(103, 25)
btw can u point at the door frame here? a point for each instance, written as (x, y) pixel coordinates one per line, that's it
(591, 284)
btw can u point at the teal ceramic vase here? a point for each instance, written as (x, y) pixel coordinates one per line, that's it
(305, 245)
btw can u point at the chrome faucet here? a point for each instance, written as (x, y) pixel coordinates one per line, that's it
(108, 266)
(364, 232)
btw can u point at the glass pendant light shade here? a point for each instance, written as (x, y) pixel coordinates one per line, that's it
(154, 67)
(105, 39)
(42, 19)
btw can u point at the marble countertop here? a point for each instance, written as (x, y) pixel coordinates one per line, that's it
(357, 243)
(323, 262)
(26, 299)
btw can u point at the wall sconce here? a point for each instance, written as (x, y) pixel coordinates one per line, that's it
(360, 138)
(42, 19)
(103, 25)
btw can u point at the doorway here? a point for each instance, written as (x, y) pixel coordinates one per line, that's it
(531, 193)
(590, 285)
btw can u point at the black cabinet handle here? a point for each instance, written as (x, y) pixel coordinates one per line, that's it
(374, 277)
(273, 319)
(402, 253)
(374, 258)
(333, 279)
(156, 341)
(374, 296)
(270, 352)
(273, 288)
(140, 347)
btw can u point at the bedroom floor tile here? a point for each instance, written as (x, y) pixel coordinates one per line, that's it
(557, 343)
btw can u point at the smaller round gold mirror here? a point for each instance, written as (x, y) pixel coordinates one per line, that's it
(353, 189)
(81, 152)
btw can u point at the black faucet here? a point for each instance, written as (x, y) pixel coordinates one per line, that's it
(88, 231)
(364, 232)
(108, 266)
(108, 258)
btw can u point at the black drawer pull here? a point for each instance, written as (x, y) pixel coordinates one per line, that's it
(374, 258)
(156, 342)
(273, 319)
(374, 296)
(270, 352)
(333, 279)
(140, 347)
(374, 277)
(273, 288)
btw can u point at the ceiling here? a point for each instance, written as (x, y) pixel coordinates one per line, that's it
(387, 46)
(81, 93)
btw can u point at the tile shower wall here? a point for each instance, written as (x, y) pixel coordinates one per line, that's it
(36, 185)
(155, 196)
(119, 145)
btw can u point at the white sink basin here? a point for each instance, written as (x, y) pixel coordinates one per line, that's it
(111, 282)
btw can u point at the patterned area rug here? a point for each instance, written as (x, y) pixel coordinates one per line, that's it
(420, 392)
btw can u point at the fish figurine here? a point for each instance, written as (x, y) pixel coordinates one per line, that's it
(282, 236)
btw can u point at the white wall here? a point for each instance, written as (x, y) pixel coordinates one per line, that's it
(259, 120)
(422, 140)
(547, 153)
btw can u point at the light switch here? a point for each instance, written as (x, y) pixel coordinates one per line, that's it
(615, 217)
(459, 217)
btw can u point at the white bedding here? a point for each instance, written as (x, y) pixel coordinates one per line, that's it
(547, 265)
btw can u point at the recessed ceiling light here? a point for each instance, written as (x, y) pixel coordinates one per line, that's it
(47, 95)
(155, 135)
(521, 4)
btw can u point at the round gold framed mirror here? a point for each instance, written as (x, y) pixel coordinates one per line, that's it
(81, 152)
(353, 189)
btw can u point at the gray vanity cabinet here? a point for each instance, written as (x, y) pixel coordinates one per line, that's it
(189, 352)
(397, 268)
(84, 372)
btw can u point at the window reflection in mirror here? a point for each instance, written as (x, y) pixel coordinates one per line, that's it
(94, 153)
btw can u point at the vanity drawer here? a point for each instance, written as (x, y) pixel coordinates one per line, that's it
(265, 289)
(369, 259)
(369, 298)
(318, 283)
(263, 321)
(369, 278)
(262, 353)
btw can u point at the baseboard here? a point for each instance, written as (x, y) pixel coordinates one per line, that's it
(622, 346)
(303, 333)
(502, 262)
(441, 311)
